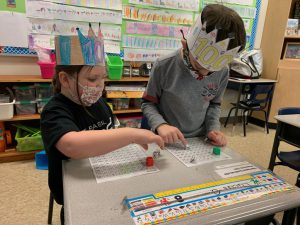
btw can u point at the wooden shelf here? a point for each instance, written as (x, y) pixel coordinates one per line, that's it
(11, 155)
(25, 117)
(130, 79)
(38, 78)
(127, 111)
(292, 37)
(124, 94)
(289, 64)
(22, 78)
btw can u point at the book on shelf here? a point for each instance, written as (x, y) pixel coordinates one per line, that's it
(297, 10)
(292, 27)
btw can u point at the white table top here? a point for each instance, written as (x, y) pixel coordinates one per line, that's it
(86, 202)
(292, 119)
(251, 81)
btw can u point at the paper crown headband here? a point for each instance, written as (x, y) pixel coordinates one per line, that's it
(210, 54)
(80, 50)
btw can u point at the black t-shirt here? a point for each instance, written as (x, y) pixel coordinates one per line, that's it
(60, 116)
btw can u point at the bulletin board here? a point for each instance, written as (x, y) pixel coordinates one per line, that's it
(134, 29)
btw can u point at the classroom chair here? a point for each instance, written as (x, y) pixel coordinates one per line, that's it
(144, 123)
(256, 98)
(290, 159)
(50, 209)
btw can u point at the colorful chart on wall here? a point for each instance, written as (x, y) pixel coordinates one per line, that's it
(125, 162)
(61, 27)
(49, 10)
(192, 5)
(12, 6)
(111, 4)
(197, 200)
(143, 22)
(160, 16)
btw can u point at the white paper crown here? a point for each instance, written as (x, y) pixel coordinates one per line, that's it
(210, 54)
(80, 50)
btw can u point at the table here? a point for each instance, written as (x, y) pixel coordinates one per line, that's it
(87, 202)
(242, 83)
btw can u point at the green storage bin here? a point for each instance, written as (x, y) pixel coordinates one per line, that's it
(28, 143)
(115, 67)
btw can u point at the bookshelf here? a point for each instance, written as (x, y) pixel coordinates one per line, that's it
(12, 154)
(273, 45)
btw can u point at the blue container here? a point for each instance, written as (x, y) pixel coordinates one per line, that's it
(41, 160)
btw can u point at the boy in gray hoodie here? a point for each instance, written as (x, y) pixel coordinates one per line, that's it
(185, 89)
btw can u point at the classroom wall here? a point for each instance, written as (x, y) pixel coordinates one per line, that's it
(20, 65)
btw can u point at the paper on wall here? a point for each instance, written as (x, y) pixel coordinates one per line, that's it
(13, 30)
(60, 27)
(49, 10)
(155, 29)
(154, 15)
(47, 41)
(239, 2)
(111, 4)
(192, 5)
(37, 40)
(143, 55)
(112, 46)
(150, 42)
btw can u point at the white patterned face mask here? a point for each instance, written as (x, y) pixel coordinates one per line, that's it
(90, 95)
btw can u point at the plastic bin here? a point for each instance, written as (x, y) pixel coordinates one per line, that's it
(28, 143)
(136, 103)
(43, 91)
(25, 107)
(7, 110)
(115, 67)
(24, 92)
(47, 69)
(134, 122)
(120, 103)
(4, 98)
(40, 103)
(41, 160)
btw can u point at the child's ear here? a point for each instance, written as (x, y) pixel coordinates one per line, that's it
(63, 79)
(184, 44)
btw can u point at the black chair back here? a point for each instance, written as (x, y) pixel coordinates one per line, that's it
(289, 110)
(260, 94)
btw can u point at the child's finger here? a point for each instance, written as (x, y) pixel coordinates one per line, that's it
(182, 139)
(145, 146)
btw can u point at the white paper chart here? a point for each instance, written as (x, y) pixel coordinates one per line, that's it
(198, 153)
(125, 162)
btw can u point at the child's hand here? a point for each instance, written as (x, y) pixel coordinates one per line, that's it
(217, 138)
(170, 134)
(144, 137)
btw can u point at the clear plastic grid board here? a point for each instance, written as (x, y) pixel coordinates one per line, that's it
(125, 162)
(198, 152)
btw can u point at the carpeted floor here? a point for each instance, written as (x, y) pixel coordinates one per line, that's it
(24, 192)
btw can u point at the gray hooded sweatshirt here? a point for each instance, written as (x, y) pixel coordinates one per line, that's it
(175, 97)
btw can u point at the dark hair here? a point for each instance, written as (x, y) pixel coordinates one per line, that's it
(228, 22)
(70, 70)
